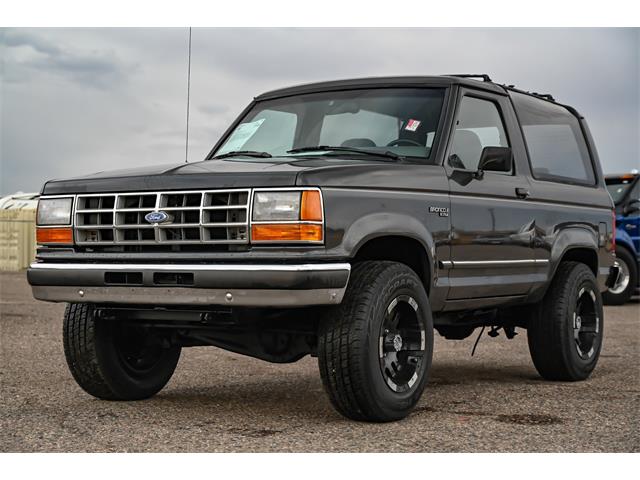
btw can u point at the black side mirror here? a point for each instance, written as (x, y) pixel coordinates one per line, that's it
(496, 159)
(632, 207)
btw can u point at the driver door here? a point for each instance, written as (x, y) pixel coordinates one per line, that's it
(492, 225)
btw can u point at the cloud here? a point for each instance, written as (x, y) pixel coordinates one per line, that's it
(76, 101)
(17, 38)
(213, 108)
(99, 69)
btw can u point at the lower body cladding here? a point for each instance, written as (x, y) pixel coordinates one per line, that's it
(242, 285)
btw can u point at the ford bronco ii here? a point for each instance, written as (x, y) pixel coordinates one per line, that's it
(345, 220)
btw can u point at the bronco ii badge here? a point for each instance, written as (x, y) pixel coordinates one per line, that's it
(441, 211)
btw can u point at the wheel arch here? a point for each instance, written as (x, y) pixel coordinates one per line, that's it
(401, 248)
(571, 244)
(576, 244)
(581, 254)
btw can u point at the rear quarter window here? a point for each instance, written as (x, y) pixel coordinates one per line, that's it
(555, 142)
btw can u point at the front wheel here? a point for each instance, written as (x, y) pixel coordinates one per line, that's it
(566, 330)
(375, 349)
(115, 360)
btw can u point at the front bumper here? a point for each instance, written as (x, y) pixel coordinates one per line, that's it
(246, 285)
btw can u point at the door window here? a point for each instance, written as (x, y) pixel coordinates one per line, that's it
(479, 125)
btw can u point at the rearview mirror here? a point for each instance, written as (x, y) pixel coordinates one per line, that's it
(338, 108)
(496, 159)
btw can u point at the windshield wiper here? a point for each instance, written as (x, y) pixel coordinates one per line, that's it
(319, 148)
(244, 153)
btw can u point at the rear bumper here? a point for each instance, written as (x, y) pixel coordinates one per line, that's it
(250, 285)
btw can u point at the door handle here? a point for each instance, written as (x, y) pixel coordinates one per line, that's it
(522, 192)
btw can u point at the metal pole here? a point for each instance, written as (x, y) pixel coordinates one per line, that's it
(186, 146)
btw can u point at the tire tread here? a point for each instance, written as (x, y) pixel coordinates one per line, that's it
(80, 351)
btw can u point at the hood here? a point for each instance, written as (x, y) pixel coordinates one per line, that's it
(246, 173)
(207, 174)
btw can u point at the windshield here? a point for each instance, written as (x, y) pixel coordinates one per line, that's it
(402, 121)
(618, 188)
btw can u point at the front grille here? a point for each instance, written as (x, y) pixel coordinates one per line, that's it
(211, 217)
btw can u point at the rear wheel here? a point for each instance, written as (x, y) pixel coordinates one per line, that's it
(375, 349)
(627, 282)
(114, 360)
(566, 330)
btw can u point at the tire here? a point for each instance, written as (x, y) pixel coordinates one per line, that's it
(565, 331)
(621, 293)
(113, 361)
(358, 342)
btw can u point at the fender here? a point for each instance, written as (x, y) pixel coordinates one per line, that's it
(566, 239)
(570, 238)
(383, 224)
(378, 225)
(357, 215)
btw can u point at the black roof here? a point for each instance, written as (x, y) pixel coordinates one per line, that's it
(418, 81)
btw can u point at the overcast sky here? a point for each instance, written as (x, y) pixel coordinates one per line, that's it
(76, 101)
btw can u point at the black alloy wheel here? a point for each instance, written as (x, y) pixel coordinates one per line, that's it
(401, 344)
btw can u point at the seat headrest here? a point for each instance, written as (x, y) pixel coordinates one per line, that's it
(467, 145)
(358, 142)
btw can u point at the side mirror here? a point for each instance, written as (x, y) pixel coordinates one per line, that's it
(632, 207)
(496, 159)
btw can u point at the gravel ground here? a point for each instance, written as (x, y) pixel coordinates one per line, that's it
(221, 402)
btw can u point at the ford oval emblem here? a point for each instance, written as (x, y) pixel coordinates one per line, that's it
(157, 217)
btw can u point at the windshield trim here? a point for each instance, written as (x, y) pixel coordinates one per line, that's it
(436, 146)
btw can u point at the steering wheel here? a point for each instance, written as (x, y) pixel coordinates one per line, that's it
(406, 141)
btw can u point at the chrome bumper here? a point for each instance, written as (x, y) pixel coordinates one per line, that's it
(254, 285)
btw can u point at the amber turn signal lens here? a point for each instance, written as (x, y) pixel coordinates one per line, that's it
(286, 232)
(311, 207)
(54, 235)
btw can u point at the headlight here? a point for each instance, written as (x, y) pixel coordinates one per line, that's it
(51, 213)
(278, 206)
(54, 211)
(287, 216)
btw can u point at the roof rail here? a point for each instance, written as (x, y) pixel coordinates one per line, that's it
(546, 96)
(486, 78)
(483, 76)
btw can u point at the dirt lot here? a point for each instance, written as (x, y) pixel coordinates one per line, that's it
(219, 401)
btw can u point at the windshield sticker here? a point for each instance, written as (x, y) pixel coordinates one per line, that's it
(412, 125)
(241, 135)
